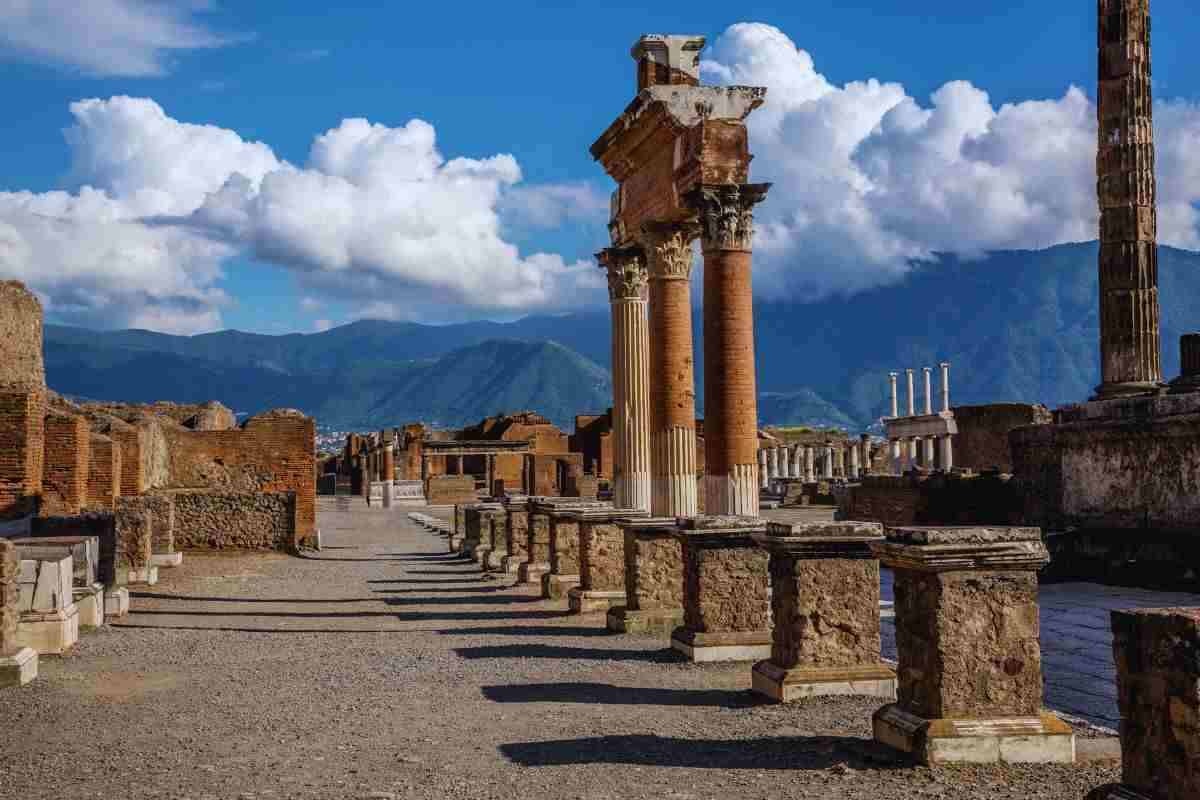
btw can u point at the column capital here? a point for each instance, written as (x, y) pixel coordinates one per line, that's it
(626, 271)
(668, 247)
(727, 213)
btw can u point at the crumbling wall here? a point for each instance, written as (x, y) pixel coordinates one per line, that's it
(22, 400)
(129, 439)
(20, 337)
(67, 453)
(982, 440)
(217, 520)
(104, 472)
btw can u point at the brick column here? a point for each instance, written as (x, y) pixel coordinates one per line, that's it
(825, 612)
(1129, 325)
(673, 390)
(730, 393)
(18, 665)
(1158, 689)
(968, 648)
(627, 293)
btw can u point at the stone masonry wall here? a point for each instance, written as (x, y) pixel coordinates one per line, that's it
(602, 557)
(732, 586)
(133, 520)
(210, 519)
(653, 571)
(898, 501)
(65, 469)
(22, 430)
(446, 490)
(104, 472)
(982, 440)
(162, 522)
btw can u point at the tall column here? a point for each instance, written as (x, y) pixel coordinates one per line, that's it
(945, 366)
(829, 461)
(927, 454)
(892, 376)
(912, 409)
(928, 389)
(947, 452)
(810, 464)
(798, 461)
(1129, 337)
(772, 462)
(785, 466)
(730, 393)
(855, 470)
(764, 480)
(627, 292)
(673, 393)
(865, 444)
(839, 462)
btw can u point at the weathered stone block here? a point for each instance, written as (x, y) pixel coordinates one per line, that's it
(653, 579)
(601, 559)
(135, 527)
(516, 534)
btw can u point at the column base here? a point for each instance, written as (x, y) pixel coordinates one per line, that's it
(19, 668)
(90, 602)
(735, 494)
(531, 572)
(556, 587)
(1044, 739)
(654, 620)
(116, 602)
(147, 576)
(789, 685)
(49, 633)
(494, 560)
(1115, 791)
(591, 601)
(1112, 391)
(480, 553)
(511, 564)
(725, 646)
(166, 560)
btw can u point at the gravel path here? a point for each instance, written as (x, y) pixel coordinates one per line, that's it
(383, 667)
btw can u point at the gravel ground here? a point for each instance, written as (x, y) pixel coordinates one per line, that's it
(384, 667)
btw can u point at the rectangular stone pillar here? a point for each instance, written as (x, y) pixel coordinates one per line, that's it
(104, 472)
(49, 621)
(564, 556)
(824, 611)
(162, 531)
(494, 557)
(601, 559)
(134, 522)
(87, 592)
(726, 590)
(18, 663)
(65, 466)
(537, 547)
(968, 648)
(516, 534)
(653, 579)
(1158, 689)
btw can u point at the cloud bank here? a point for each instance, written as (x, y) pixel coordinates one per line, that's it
(867, 179)
(377, 217)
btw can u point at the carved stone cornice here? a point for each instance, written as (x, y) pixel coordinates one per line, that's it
(668, 247)
(727, 213)
(962, 549)
(626, 271)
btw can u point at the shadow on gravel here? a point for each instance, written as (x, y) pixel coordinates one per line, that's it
(477, 615)
(606, 694)
(438, 589)
(319, 558)
(267, 614)
(527, 630)
(157, 596)
(777, 753)
(492, 599)
(657, 656)
(428, 580)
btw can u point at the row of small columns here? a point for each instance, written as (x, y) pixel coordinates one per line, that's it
(927, 452)
(654, 458)
(810, 462)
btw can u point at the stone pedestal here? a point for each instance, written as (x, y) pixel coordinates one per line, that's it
(49, 632)
(18, 663)
(116, 602)
(492, 559)
(653, 579)
(825, 613)
(564, 557)
(90, 602)
(601, 559)
(516, 535)
(134, 526)
(726, 590)
(1158, 689)
(968, 648)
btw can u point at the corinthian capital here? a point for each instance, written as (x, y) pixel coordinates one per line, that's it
(669, 248)
(727, 213)
(626, 270)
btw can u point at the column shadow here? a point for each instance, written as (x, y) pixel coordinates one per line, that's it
(607, 694)
(530, 650)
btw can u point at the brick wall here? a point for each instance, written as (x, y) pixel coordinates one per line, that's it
(104, 472)
(66, 464)
(448, 490)
(22, 430)
(273, 452)
(982, 441)
(212, 519)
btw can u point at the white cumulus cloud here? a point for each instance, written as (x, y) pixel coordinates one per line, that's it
(127, 38)
(868, 179)
(377, 217)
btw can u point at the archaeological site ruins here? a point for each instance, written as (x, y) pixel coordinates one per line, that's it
(670, 600)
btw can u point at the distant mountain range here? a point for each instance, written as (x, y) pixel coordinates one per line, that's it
(1017, 327)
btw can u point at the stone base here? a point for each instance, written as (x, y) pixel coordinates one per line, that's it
(789, 685)
(710, 647)
(556, 587)
(494, 561)
(147, 576)
(170, 560)
(51, 633)
(531, 572)
(1115, 791)
(479, 554)
(654, 620)
(90, 602)
(1044, 739)
(592, 601)
(116, 603)
(19, 668)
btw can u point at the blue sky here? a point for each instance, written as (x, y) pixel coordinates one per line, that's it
(538, 83)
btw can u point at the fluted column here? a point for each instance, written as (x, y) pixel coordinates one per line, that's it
(855, 471)
(764, 480)
(785, 467)
(627, 294)
(730, 393)
(1129, 325)
(798, 461)
(673, 392)
(865, 444)
(810, 464)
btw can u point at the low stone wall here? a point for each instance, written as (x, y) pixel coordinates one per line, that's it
(982, 440)
(939, 499)
(449, 490)
(218, 520)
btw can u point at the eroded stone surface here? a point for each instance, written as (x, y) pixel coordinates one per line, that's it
(602, 556)
(564, 545)
(9, 597)
(653, 569)
(825, 611)
(726, 585)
